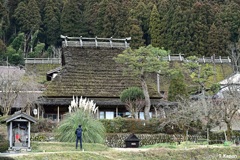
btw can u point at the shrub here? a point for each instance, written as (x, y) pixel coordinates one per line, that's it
(93, 130)
(43, 125)
(4, 145)
(227, 143)
(128, 125)
(133, 97)
(39, 137)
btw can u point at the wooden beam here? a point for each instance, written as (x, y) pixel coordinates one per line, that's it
(10, 135)
(116, 111)
(20, 120)
(38, 111)
(98, 114)
(29, 133)
(58, 114)
(89, 38)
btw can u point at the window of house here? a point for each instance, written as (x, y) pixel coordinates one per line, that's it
(101, 115)
(141, 115)
(109, 115)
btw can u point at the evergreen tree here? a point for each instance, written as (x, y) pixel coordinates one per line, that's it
(4, 21)
(29, 20)
(178, 87)
(142, 13)
(180, 32)
(112, 23)
(201, 17)
(13, 28)
(140, 62)
(135, 32)
(133, 98)
(34, 17)
(21, 16)
(2, 52)
(213, 43)
(17, 43)
(99, 22)
(223, 36)
(154, 27)
(72, 20)
(91, 14)
(52, 23)
(230, 16)
(12, 5)
(122, 20)
(165, 13)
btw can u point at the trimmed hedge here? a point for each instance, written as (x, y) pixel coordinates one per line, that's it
(118, 139)
(127, 125)
(4, 145)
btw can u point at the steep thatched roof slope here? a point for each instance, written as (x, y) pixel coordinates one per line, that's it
(92, 72)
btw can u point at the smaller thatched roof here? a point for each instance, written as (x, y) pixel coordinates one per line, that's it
(233, 79)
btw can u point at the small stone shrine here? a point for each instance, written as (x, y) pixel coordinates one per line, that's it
(18, 127)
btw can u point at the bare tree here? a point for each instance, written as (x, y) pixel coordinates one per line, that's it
(17, 89)
(10, 85)
(134, 107)
(234, 53)
(229, 106)
(183, 115)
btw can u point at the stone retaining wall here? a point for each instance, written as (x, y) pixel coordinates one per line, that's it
(118, 140)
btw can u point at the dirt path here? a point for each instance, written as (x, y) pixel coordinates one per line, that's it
(39, 153)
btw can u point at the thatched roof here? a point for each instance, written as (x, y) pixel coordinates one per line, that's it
(92, 72)
(233, 79)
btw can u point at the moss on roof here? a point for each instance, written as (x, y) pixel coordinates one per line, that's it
(92, 72)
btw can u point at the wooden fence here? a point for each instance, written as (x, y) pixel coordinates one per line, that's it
(95, 42)
(169, 58)
(43, 60)
(180, 57)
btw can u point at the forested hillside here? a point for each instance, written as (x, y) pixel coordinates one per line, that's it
(32, 28)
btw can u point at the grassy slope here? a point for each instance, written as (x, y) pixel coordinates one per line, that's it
(40, 70)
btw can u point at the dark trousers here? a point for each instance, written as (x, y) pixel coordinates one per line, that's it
(79, 139)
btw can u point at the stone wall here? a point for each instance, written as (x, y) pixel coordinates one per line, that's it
(118, 140)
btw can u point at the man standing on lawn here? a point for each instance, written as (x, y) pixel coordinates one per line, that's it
(78, 133)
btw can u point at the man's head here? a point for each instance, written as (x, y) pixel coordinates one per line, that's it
(80, 126)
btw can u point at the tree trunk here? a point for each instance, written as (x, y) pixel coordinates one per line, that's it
(147, 99)
(31, 39)
(136, 115)
(25, 47)
(229, 131)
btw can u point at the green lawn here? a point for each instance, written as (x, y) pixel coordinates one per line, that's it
(65, 146)
(163, 151)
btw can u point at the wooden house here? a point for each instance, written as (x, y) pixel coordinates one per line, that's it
(89, 70)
